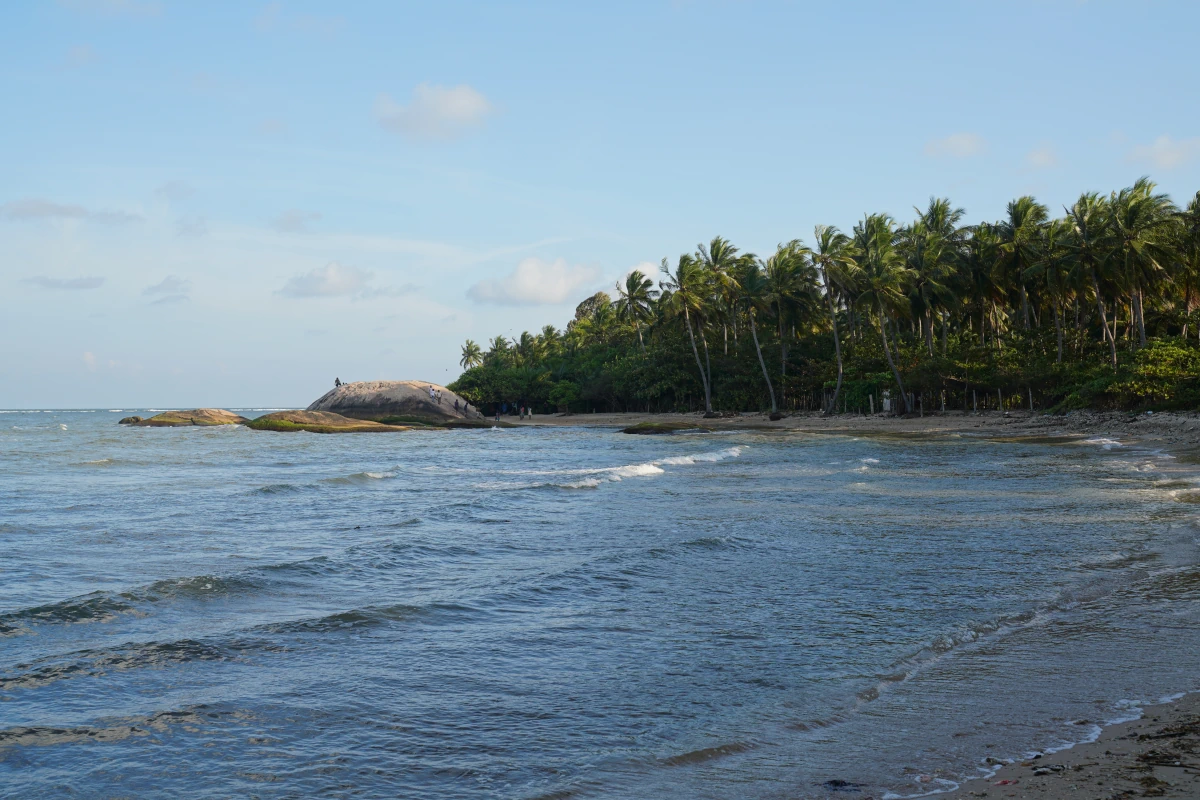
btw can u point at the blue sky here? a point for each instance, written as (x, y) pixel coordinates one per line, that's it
(232, 203)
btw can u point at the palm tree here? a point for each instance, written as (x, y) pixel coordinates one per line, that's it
(941, 254)
(885, 278)
(1141, 225)
(472, 355)
(1088, 219)
(636, 297)
(721, 260)
(1019, 235)
(1052, 265)
(834, 256)
(756, 296)
(689, 294)
(792, 287)
(1189, 255)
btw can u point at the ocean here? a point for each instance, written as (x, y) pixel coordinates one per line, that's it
(570, 612)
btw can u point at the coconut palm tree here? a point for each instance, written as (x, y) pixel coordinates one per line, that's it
(472, 355)
(636, 297)
(885, 279)
(833, 254)
(1019, 236)
(1088, 219)
(721, 260)
(1053, 267)
(756, 295)
(792, 288)
(689, 294)
(1142, 223)
(1189, 255)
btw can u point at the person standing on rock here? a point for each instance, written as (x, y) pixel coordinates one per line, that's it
(337, 382)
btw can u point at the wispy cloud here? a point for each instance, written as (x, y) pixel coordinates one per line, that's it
(36, 208)
(170, 289)
(114, 7)
(435, 112)
(80, 56)
(295, 221)
(533, 282)
(956, 145)
(174, 191)
(46, 282)
(194, 226)
(1167, 153)
(1042, 157)
(341, 280)
(274, 18)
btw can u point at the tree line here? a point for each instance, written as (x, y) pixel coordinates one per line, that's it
(1095, 307)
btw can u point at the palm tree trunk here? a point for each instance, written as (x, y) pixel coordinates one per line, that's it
(707, 362)
(1112, 343)
(1058, 329)
(837, 343)
(1025, 305)
(927, 324)
(891, 363)
(761, 363)
(1140, 314)
(638, 325)
(699, 366)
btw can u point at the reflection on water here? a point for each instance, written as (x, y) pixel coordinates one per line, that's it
(573, 612)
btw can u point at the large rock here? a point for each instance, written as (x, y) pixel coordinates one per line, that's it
(195, 416)
(396, 402)
(318, 422)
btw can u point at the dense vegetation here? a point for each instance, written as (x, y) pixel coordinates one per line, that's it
(1095, 309)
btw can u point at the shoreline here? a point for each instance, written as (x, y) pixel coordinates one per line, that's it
(1156, 755)
(1172, 429)
(1124, 759)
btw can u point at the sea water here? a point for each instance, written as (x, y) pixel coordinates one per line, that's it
(572, 612)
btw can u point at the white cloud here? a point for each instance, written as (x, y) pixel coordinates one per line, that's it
(956, 145)
(1042, 157)
(436, 112)
(331, 280)
(91, 282)
(37, 208)
(340, 280)
(89, 361)
(534, 282)
(1167, 153)
(295, 221)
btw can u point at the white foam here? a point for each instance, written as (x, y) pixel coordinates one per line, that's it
(1100, 441)
(869, 460)
(380, 475)
(720, 455)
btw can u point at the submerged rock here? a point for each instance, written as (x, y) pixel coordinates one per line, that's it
(397, 403)
(318, 422)
(195, 416)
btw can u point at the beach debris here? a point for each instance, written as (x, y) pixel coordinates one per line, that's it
(1007, 782)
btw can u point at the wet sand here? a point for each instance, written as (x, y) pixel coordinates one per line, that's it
(1155, 756)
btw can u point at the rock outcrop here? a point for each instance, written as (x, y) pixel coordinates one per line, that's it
(318, 422)
(196, 416)
(661, 428)
(397, 403)
(129, 420)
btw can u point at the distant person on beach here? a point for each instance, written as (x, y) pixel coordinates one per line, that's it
(456, 405)
(497, 413)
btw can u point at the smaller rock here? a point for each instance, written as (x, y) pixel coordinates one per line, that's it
(129, 420)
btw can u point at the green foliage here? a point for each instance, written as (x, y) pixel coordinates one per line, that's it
(1098, 309)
